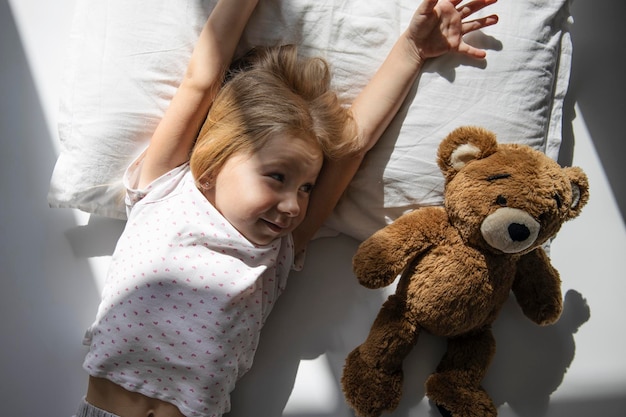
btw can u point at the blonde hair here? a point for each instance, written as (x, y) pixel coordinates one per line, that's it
(273, 91)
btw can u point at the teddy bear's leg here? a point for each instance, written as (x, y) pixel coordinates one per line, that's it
(455, 386)
(372, 376)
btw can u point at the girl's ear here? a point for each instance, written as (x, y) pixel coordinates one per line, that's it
(206, 182)
(463, 145)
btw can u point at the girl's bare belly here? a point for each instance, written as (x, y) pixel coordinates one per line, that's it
(114, 399)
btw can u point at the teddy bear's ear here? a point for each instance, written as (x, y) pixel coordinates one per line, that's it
(463, 145)
(580, 190)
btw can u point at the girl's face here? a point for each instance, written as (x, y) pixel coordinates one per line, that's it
(265, 195)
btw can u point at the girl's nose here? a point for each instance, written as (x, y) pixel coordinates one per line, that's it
(289, 205)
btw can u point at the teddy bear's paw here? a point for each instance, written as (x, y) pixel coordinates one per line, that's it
(369, 390)
(549, 314)
(543, 314)
(453, 400)
(374, 278)
(477, 409)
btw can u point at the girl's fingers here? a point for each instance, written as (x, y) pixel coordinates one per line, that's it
(471, 51)
(472, 7)
(427, 6)
(476, 24)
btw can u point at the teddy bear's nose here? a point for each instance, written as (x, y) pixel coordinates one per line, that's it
(518, 232)
(510, 230)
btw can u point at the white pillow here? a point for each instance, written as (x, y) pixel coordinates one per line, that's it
(126, 59)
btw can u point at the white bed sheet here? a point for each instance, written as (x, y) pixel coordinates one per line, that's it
(52, 260)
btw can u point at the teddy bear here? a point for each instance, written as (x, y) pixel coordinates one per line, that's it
(458, 264)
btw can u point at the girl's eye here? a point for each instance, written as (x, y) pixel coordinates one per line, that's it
(307, 188)
(278, 177)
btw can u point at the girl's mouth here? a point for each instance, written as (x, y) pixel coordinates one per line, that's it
(276, 228)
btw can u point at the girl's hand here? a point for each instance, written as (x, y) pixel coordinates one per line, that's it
(438, 26)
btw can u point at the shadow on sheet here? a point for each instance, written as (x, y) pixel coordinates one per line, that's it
(43, 284)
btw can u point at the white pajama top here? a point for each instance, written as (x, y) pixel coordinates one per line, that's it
(185, 298)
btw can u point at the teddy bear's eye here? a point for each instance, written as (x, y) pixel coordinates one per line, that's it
(559, 200)
(498, 177)
(501, 200)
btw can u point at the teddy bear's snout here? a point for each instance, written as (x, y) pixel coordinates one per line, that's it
(510, 230)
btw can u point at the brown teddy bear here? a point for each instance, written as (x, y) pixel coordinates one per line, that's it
(458, 264)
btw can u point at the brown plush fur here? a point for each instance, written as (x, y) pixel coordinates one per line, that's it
(458, 264)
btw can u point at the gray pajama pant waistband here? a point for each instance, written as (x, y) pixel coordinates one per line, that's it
(87, 410)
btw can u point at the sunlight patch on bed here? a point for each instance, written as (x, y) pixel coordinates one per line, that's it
(314, 390)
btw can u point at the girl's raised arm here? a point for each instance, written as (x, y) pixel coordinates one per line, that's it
(173, 139)
(436, 28)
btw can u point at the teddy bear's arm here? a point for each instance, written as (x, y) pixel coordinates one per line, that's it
(537, 288)
(387, 252)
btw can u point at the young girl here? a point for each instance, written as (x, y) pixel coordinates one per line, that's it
(211, 237)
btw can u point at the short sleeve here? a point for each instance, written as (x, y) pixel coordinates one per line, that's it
(156, 189)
